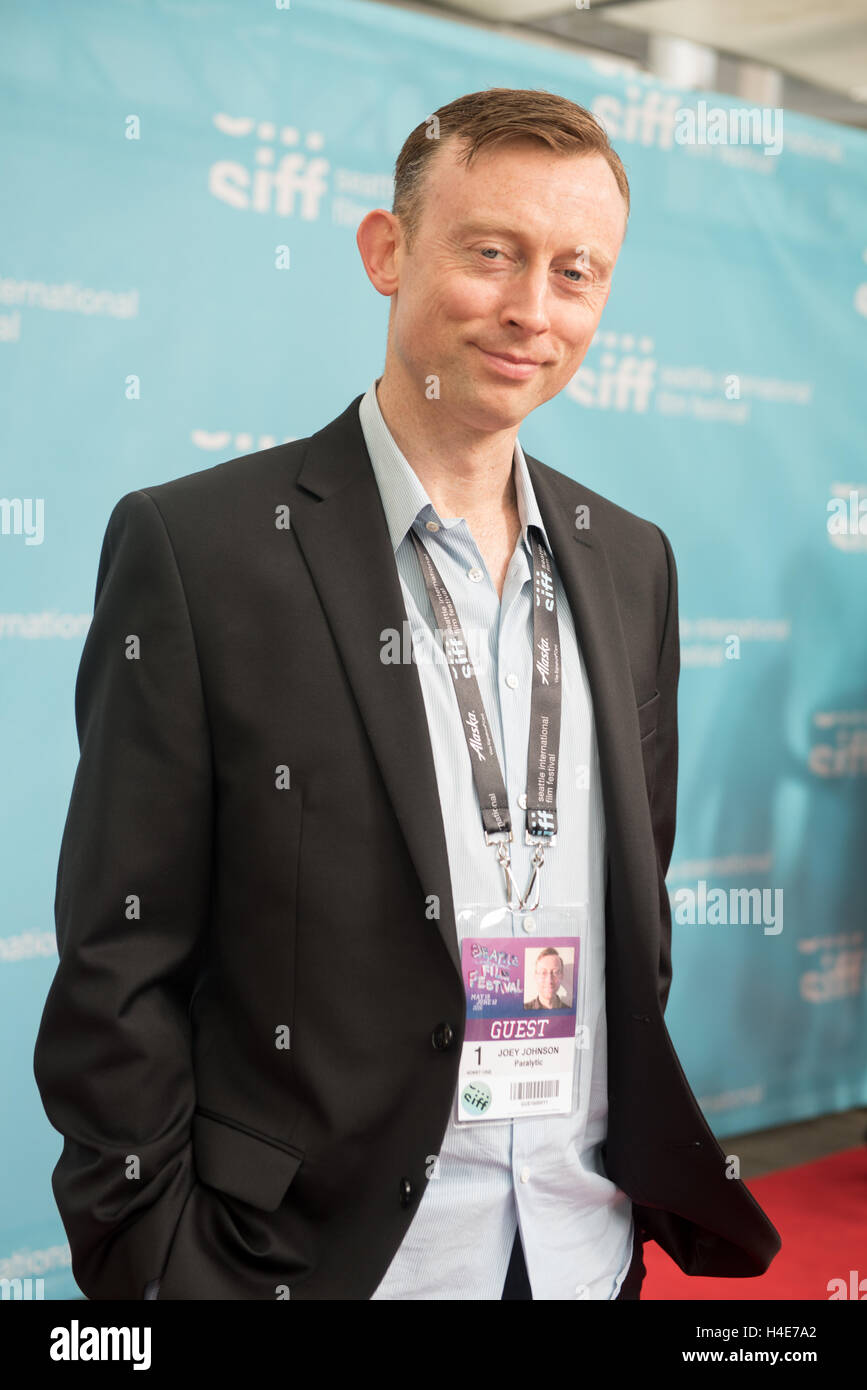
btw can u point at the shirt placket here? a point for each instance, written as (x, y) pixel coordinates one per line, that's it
(516, 619)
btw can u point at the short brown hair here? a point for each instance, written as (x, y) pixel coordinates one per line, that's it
(496, 116)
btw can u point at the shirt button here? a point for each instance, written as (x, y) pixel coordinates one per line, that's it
(475, 574)
(529, 924)
(511, 680)
(525, 1175)
(522, 801)
(406, 1192)
(432, 525)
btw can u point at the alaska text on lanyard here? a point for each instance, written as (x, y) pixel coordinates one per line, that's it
(545, 709)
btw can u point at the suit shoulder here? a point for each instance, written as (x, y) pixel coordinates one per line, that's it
(247, 479)
(233, 478)
(615, 519)
(624, 534)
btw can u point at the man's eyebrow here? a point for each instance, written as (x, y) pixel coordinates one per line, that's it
(597, 260)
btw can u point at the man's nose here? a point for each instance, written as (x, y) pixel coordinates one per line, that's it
(526, 301)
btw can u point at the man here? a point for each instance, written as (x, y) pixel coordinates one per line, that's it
(261, 780)
(548, 972)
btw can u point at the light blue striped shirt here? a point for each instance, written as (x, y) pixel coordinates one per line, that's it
(545, 1174)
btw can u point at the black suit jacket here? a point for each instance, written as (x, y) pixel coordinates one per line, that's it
(242, 1044)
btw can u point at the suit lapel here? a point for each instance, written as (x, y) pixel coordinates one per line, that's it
(631, 935)
(586, 575)
(340, 525)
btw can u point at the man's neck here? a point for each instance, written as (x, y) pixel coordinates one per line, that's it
(464, 472)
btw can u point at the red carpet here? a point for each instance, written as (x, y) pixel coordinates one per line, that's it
(820, 1211)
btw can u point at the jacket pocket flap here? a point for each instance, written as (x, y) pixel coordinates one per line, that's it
(648, 715)
(242, 1164)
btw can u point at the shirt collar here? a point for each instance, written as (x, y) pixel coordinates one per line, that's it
(404, 497)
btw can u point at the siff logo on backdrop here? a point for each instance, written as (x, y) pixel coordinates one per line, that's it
(234, 445)
(655, 115)
(623, 373)
(278, 171)
(294, 183)
(838, 743)
(835, 967)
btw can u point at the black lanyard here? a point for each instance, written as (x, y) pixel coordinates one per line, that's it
(545, 709)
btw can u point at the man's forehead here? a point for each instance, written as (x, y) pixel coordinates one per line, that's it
(531, 158)
(595, 214)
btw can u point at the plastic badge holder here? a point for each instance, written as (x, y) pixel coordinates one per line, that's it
(525, 980)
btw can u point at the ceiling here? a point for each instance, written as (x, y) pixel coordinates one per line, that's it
(812, 56)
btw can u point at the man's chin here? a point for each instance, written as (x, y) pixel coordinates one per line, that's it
(498, 404)
(513, 400)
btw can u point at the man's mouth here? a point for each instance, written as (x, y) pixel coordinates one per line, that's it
(511, 364)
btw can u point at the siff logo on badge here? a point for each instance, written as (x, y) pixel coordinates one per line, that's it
(476, 1097)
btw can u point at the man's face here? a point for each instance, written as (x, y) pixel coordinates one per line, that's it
(496, 268)
(549, 974)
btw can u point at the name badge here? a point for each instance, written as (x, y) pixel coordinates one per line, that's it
(524, 1028)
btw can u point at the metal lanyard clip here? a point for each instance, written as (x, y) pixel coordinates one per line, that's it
(522, 905)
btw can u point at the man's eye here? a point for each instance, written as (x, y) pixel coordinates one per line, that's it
(490, 251)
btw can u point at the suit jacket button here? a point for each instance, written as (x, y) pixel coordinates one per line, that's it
(443, 1036)
(406, 1191)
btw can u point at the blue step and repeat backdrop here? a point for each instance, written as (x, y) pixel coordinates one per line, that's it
(180, 284)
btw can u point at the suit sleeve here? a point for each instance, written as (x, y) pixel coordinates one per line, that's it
(663, 805)
(112, 1058)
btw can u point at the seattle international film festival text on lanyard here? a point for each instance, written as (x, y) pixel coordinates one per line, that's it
(524, 999)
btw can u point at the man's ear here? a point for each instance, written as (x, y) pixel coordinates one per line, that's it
(378, 239)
